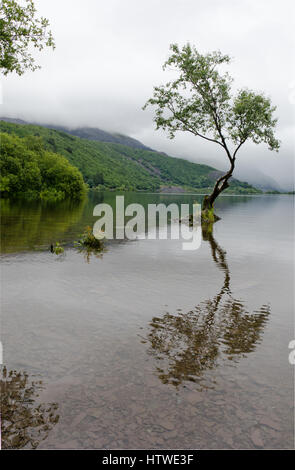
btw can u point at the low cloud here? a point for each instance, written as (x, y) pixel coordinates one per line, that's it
(109, 56)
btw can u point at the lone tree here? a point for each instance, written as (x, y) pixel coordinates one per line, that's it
(19, 30)
(200, 101)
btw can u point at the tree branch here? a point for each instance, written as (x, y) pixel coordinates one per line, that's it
(238, 147)
(189, 129)
(214, 112)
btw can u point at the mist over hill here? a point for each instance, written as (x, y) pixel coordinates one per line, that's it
(90, 133)
(113, 165)
(258, 179)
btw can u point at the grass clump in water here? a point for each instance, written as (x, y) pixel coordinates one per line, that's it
(89, 240)
(57, 249)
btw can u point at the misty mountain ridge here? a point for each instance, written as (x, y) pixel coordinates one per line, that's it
(114, 166)
(89, 133)
(258, 179)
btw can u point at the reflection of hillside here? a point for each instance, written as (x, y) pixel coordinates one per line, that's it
(26, 225)
(221, 328)
(24, 421)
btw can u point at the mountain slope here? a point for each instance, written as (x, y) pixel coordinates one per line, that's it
(117, 166)
(90, 133)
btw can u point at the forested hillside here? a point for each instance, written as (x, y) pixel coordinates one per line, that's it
(116, 166)
(27, 169)
(90, 133)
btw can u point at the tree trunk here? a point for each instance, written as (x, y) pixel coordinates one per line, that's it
(220, 185)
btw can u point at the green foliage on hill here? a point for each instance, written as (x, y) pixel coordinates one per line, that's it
(116, 166)
(28, 169)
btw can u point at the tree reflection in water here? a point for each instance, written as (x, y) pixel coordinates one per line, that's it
(188, 344)
(24, 421)
(89, 253)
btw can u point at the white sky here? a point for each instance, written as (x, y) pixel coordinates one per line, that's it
(109, 55)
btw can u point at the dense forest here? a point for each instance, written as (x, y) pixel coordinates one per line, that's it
(28, 169)
(116, 166)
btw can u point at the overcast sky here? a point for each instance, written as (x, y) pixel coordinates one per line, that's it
(109, 55)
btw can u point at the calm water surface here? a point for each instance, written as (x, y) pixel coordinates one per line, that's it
(147, 345)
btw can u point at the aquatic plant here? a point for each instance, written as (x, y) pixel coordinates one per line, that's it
(57, 249)
(88, 239)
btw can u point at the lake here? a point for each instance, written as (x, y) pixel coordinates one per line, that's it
(146, 345)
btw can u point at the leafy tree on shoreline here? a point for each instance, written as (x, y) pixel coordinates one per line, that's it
(200, 101)
(20, 29)
(28, 169)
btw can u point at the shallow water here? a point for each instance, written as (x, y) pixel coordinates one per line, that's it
(147, 345)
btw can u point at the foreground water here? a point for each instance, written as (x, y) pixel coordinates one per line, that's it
(147, 345)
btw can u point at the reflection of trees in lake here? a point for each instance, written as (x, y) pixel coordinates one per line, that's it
(188, 344)
(24, 421)
(29, 224)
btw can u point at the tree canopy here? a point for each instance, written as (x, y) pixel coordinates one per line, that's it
(19, 30)
(200, 101)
